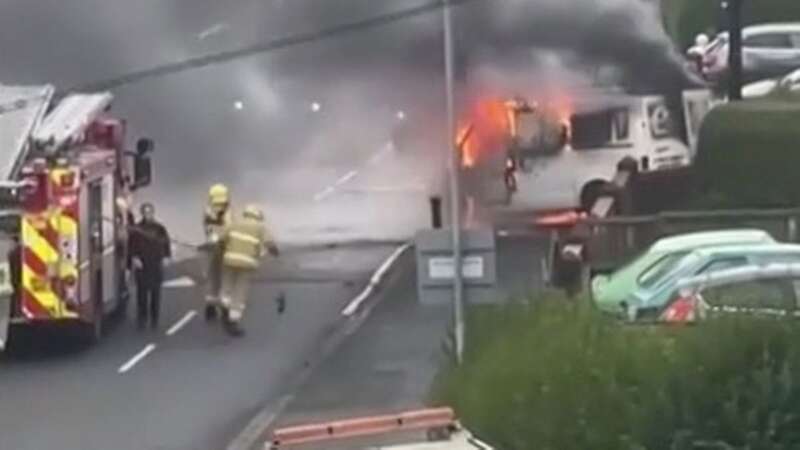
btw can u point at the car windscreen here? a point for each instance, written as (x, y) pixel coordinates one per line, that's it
(660, 268)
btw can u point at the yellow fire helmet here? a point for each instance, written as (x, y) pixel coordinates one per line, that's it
(218, 194)
(253, 211)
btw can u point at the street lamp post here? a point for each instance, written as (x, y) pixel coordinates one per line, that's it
(455, 188)
(734, 12)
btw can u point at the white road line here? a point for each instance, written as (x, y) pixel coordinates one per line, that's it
(324, 193)
(330, 189)
(181, 282)
(374, 159)
(212, 30)
(181, 323)
(138, 357)
(352, 307)
(347, 177)
(503, 233)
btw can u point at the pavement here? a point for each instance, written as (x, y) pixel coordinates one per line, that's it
(388, 362)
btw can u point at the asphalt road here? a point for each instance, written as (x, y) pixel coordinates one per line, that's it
(198, 387)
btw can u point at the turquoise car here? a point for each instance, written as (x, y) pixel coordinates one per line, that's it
(657, 286)
(608, 291)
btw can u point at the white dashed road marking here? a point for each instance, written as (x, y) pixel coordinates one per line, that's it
(181, 282)
(181, 323)
(136, 358)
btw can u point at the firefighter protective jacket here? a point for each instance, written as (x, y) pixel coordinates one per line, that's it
(245, 241)
(214, 223)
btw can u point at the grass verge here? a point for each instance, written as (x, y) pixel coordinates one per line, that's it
(559, 376)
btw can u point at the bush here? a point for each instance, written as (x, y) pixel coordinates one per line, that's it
(748, 153)
(683, 19)
(559, 376)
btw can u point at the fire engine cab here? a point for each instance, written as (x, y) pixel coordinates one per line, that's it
(66, 186)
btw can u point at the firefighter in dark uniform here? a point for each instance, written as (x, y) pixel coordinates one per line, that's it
(150, 247)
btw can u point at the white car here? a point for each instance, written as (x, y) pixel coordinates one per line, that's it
(767, 50)
(789, 83)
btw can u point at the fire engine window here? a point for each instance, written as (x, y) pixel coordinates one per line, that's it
(591, 130)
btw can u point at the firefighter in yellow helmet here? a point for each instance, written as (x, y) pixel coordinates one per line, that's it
(216, 217)
(246, 241)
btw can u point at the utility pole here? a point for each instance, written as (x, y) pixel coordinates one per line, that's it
(734, 11)
(455, 187)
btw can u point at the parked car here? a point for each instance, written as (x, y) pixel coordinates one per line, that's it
(787, 84)
(608, 291)
(657, 284)
(764, 290)
(767, 50)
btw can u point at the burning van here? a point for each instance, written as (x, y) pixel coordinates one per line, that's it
(563, 156)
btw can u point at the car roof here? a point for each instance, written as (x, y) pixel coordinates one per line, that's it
(738, 249)
(743, 274)
(689, 241)
(776, 27)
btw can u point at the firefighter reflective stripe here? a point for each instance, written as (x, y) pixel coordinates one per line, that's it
(244, 244)
(245, 237)
(240, 260)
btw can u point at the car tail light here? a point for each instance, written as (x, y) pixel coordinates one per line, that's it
(682, 310)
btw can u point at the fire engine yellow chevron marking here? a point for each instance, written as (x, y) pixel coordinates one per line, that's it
(32, 239)
(64, 224)
(38, 284)
(40, 289)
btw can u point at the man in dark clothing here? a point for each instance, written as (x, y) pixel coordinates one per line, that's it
(149, 247)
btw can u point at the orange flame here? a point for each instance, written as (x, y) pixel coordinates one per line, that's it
(486, 121)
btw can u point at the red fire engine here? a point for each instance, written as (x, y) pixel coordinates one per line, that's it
(65, 199)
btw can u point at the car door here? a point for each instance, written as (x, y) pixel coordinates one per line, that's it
(772, 297)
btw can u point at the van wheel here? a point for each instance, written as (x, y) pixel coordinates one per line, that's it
(591, 192)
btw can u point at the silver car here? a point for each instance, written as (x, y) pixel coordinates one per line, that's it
(767, 50)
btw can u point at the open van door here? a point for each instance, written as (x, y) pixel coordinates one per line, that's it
(696, 104)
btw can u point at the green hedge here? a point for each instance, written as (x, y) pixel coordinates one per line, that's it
(749, 154)
(683, 19)
(558, 376)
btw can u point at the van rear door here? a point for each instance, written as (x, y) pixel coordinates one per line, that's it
(696, 104)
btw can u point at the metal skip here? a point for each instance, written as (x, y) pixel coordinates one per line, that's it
(436, 269)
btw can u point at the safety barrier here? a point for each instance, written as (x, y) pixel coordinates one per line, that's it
(424, 419)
